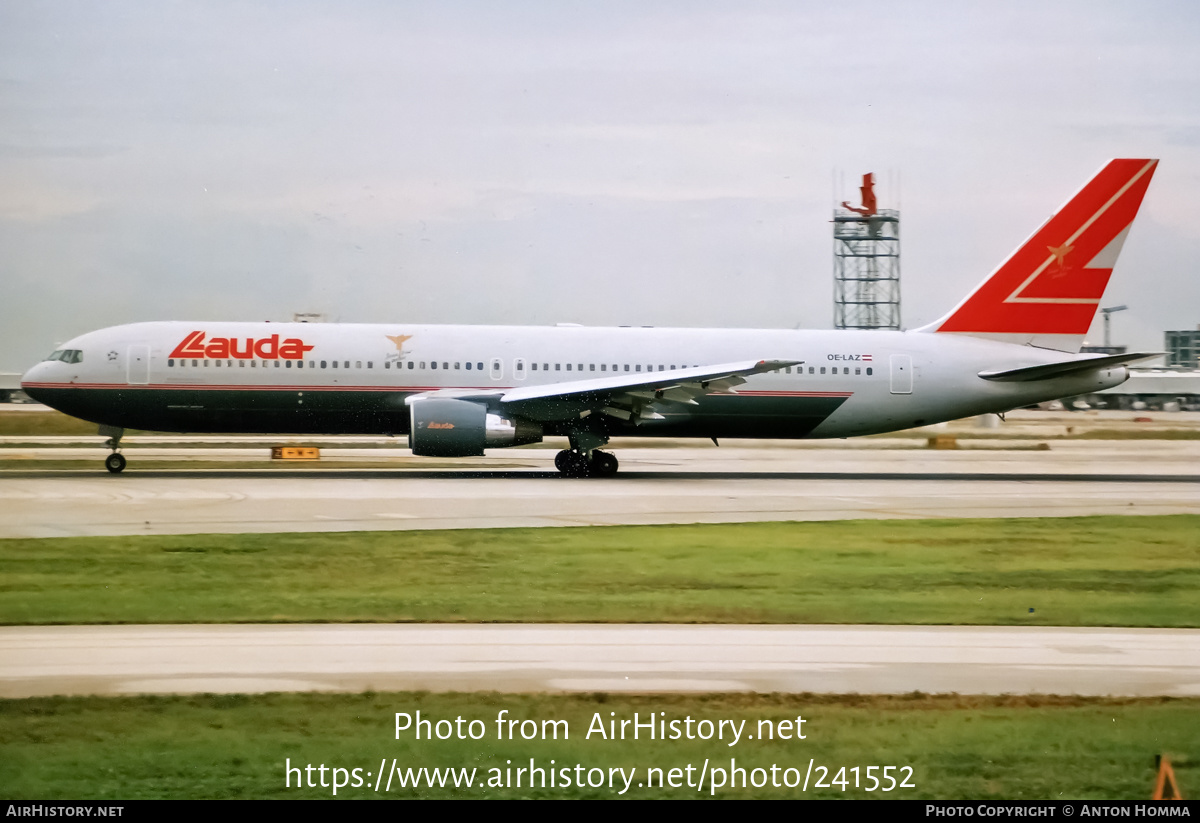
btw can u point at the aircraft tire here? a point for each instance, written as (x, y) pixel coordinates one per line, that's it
(603, 464)
(571, 463)
(115, 463)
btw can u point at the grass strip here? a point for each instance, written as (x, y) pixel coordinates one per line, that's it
(1086, 571)
(238, 746)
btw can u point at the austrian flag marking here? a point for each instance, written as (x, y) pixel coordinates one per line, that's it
(222, 348)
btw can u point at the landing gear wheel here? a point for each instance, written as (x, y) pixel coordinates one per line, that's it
(115, 463)
(571, 463)
(603, 464)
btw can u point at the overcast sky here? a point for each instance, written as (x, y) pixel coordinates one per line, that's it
(657, 163)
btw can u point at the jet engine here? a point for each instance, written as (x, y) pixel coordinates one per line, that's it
(445, 427)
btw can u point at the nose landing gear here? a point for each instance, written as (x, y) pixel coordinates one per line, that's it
(115, 462)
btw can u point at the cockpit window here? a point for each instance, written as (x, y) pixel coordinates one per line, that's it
(67, 355)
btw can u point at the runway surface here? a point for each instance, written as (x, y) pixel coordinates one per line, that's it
(585, 658)
(656, 486)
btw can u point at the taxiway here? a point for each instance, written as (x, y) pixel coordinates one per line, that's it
(687, 484)
(586, 658)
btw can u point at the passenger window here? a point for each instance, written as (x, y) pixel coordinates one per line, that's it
(519, 368)
(558, 366)
(322, 364)
(479, 365)
(857, 370)
(433, 364)
(869, 371)
(335, 364)
(370, 364)
(822, 370)
(170, 363)
(603, 367)
(289, 364)
(241, 364)
(468, 365)
(299, 364)
(568, 367)
(497, 368)
(458, 365)
(638, 367)
(591, 366)
(410, 364)
(533, 366)
(445, 364)
(626, 367)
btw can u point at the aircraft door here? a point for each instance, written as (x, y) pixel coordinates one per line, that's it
(138, 366)
(902, 381)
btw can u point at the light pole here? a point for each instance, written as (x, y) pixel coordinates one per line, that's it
(1108, 323)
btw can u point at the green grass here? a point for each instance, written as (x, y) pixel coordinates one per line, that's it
(237, 746)
(1088, 571)
(1124, 434)
(43, 423)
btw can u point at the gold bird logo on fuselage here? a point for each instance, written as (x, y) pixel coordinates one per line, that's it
(399, 340)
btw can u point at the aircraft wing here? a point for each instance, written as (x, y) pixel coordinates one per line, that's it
(630, 396)
(625, 396)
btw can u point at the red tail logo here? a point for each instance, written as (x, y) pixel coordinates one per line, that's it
(1054, 283)
(222, 348)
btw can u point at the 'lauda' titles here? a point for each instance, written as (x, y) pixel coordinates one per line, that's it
(222, 348)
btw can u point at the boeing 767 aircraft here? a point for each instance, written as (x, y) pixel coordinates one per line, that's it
(456, 390)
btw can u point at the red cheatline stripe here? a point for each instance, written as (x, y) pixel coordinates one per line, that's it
(796, 393)
(199, 387)
(209, 387)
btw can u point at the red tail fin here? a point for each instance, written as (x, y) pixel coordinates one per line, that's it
(1047, 292)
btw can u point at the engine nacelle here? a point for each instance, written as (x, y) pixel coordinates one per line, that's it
(445, 427)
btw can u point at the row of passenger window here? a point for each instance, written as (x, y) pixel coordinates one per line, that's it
(299, 364)
(518, 365)
(821, 370)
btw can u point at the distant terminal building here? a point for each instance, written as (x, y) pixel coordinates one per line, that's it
(1183, 348)
(1155, 389)
(866, 264)
(10, 388)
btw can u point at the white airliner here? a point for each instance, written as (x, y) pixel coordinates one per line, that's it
(456, 390)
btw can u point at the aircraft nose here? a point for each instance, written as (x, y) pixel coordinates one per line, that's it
(33, 377)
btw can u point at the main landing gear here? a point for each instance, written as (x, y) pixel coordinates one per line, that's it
(115, 462)
(575, 463)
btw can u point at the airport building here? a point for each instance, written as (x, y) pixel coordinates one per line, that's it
(1183, 348)
(10, 388)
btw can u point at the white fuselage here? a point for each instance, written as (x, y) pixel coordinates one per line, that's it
(185, 376)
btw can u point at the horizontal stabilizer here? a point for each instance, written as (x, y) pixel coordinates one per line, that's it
(1026, 374)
